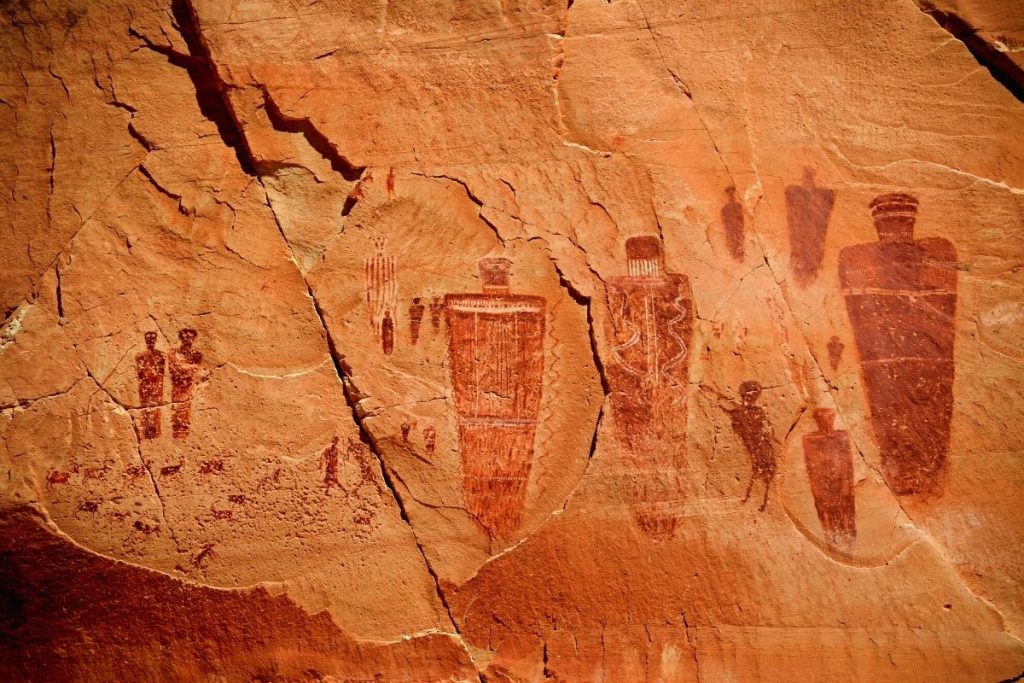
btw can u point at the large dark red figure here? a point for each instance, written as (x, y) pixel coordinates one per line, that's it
(901, 299)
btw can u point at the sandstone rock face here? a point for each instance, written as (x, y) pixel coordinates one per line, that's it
(422, 340)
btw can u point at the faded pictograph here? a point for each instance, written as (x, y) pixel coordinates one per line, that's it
(828, 455)
(185, 363)
(416, 311)
(901, 299)
(650, 326)
(436, 311)
(150, 366)
(382, 295)
(430, 439)
(353, 473)
(496, 353)
(751, 424)
(808, 210)
(733, 223)
(329, 461)
(835, 352)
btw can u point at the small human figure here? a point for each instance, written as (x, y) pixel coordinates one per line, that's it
(430, 438)
(406, 427)
(732, 221)
(751, 424)
(150, 366)
(359, 452)
(387, 333)
(185, 362)
(436, 308)
(329, 461)
(416, 311)
(835, 352)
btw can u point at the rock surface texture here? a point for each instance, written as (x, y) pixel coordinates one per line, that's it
(512, 340)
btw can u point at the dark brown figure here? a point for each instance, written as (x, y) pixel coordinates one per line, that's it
(650, 325)
(150, 366)
(416, 311)
(329, 461)
(387, 334)
(496, 348)
(406, 428)
(732, 221)
(430, 438)
(185, 362)
(901, 299)
(436, 309)
(829, 460)
(808, 209)
(751, 424)
(835, 352)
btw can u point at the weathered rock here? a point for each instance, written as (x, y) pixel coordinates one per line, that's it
(521, 340)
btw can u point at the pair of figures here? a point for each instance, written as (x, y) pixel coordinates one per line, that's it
(151, 366)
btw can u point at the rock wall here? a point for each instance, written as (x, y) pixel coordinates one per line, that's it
(511, 340)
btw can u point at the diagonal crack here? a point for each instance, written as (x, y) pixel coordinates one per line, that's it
(206, 77)
(314, 137)
(1006, 72)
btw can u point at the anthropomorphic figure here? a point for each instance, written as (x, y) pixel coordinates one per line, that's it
(901, 296)
(808, 210)
(150, 366)
(185, 362)
(828, 455)
(751, 424)
(835, 352)
(430, 438)
(329, 461)
(416, 311)
(732, 221)
(387, 333)
(436, 309)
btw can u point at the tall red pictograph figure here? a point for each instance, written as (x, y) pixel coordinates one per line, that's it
(650, 326)
(901, 298)
(828, 455)
(496, 350)
(185, 362)
(150, 367)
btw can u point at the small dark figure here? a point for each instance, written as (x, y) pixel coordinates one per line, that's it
(835, 352)
(329, 461)
(750, 422)
(430, 438)
(436, 309)
(406, 428)
(387, 333)
(150, 366)
(732, 221)
(416, 311)
(185, 363)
